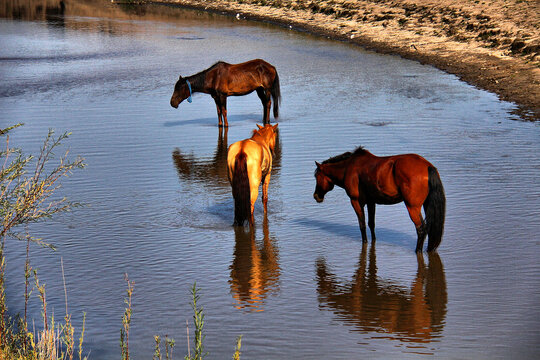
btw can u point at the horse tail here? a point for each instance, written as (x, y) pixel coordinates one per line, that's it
(276, 95)
(240, 190)
(435, 209)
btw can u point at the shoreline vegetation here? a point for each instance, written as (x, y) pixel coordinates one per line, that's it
(27, 194)
(491, 44)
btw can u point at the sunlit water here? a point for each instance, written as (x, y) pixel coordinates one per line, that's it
(158, 204)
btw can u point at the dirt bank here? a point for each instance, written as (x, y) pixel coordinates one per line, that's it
(494, 45)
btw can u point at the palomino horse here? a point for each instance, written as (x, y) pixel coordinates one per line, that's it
(222, 80)
(369, 179)
(249, 162)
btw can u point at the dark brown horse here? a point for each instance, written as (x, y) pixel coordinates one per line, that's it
(222, 80)
(370, 180)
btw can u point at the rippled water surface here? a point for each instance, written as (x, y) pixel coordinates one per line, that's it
(159, 206)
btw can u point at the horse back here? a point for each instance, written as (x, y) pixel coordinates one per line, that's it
(241, 79)
(258, 156)
(388, 179)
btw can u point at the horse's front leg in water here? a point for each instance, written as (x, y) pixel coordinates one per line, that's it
(219, 112)
(359, 209)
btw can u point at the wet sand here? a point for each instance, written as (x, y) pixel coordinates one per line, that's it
(493, 45)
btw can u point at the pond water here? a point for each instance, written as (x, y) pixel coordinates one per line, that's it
(158, 205)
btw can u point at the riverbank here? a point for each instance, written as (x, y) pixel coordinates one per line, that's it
(493, 45)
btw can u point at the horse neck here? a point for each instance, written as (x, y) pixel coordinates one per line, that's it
(197, 81)
(336, 171)
(258, 138)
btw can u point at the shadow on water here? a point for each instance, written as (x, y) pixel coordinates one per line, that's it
(353, 232)
(212, 121)
(373, 304)
(255, 268)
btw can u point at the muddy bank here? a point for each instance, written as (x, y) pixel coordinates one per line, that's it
(494, 45)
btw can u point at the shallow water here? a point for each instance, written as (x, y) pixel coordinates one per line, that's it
(159, 207)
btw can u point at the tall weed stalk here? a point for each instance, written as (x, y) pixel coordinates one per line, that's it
(126, 320)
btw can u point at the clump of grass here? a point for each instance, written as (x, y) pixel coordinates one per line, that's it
(198, 344)
(55, 341)
(169, 345)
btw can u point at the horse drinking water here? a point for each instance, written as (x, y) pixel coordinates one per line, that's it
(222, 80)
(370, 180)
(249, 162)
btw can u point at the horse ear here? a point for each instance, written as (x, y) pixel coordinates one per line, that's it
(275, 126)
(259, 126)
(180, 78)
(318, 165)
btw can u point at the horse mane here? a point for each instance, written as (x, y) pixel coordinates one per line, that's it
(338, 158)
(346, 155)
(197, 80)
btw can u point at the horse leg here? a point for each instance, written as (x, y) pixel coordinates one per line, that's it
(266, 181)
(223, 101)
(219, 113)
(254, 182)
(359, 209)
(416, 216)
(371, 219)
(266, 101)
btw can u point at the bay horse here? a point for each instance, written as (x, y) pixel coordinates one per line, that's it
(222, 80)
(369, 180)
(249, 162)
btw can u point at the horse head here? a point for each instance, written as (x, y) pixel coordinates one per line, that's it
(181, 92)
(324, 183)
(268, 133)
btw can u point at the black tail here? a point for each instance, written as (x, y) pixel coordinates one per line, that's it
(435, 209)
(240, 190)
(276, 95)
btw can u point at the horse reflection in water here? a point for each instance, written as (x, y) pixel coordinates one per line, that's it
(372, 304)
(213, 171)
(255, 268)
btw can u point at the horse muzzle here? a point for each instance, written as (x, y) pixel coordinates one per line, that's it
(174, 103)
(318, 198)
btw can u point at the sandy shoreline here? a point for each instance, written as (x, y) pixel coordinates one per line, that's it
(493, 45)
